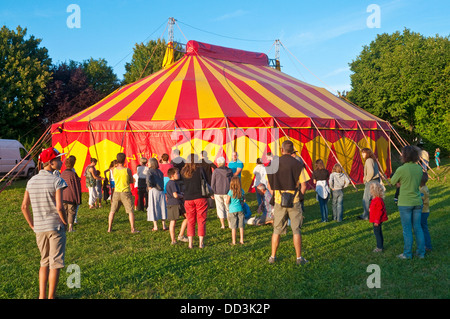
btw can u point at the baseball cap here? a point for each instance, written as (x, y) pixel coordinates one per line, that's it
(48, 154)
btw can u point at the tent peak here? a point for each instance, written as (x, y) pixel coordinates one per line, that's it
(195, 48)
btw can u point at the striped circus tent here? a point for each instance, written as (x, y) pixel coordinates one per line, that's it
(220, 100)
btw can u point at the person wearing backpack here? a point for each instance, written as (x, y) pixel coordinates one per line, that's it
(287, 182)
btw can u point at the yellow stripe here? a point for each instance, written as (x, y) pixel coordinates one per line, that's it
(213, 128)
(270, 96)
(354, 110)
(357, 112)
(167, 109)
(282, 89)
(134, 105)
(118, 98)
(208, 107)
(312, 96)
(248, 106)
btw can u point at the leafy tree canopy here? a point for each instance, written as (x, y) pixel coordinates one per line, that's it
(404, 78)
(76, 86)
(24, 75)
(147, 59)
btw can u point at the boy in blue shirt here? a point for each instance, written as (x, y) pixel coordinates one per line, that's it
(236, 165)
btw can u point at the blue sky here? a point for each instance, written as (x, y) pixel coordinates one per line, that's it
(319, 38)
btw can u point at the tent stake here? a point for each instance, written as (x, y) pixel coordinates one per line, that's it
(331, 151)
(376, 157)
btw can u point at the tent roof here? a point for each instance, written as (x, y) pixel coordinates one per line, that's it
(213, 82)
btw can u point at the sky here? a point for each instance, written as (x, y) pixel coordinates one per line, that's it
(318, 39)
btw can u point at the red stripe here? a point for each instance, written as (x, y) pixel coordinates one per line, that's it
(229, 106)
(119, 106)
(187, 107)
(122, 90)
(322, 96)
(304, 109)
(262, 102)
(149, 107)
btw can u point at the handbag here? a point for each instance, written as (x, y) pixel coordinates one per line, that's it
(287, 199)
(207, 191)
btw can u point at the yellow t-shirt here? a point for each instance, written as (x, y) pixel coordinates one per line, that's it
(304, 177)
(121, 180)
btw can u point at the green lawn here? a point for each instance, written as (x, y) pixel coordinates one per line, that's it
(145, 265)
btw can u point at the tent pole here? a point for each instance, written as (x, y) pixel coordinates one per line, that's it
(359, 147)
(354, 142)
(123, 135)
(331, 151)
(93, 138)
(376, 157)
(304, 162)
(68, 154)
(31, 157)
(239, 128)
(190, 140)
(132, 134)
(389, 138)
(229, 134)
(34, 151)
(421, 159)
(399, 138)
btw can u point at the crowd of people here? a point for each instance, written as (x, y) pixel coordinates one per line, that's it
(172, 189)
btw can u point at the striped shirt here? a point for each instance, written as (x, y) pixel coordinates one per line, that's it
(42, 190)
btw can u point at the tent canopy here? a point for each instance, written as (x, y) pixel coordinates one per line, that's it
(224, 89)
(213, 83)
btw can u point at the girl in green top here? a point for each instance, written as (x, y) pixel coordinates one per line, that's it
(408, 177)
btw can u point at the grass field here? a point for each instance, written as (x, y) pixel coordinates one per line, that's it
(145, 265)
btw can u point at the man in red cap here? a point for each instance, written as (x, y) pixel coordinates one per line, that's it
(44, 192)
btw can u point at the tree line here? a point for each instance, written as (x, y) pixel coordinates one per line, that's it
(36, 92)
(403, 77)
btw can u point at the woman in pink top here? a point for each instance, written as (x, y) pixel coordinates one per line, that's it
(164, 166)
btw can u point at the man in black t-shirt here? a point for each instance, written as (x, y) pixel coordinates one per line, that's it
(289, 177)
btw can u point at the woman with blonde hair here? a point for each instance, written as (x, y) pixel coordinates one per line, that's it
(338, 181)
(371, 175)
(235, 211)
(377, 213)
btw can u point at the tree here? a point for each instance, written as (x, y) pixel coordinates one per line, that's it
(76, 86)
(404, 79)
(23, 79)
(100, 76)
(147, 59)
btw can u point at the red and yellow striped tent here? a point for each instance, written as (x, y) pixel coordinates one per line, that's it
(221, 100)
